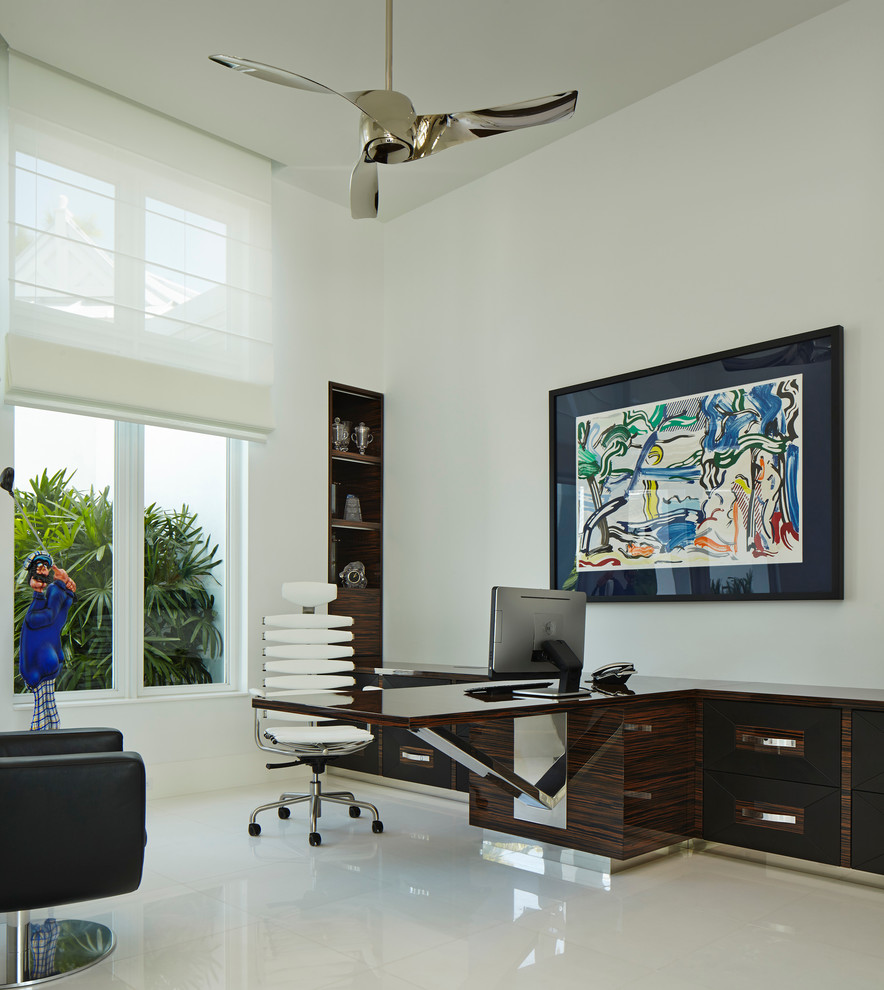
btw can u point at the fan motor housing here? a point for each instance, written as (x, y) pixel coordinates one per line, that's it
(386, 132)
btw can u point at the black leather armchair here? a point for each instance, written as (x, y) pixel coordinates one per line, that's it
(72, 807)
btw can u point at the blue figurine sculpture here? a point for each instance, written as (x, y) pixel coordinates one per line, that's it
(40, 653)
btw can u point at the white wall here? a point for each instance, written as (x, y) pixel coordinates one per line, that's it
(327, 273)
(743, 204)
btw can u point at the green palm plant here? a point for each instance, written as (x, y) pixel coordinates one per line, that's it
(180, 631)
(179, 612)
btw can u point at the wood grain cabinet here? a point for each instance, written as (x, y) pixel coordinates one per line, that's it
(867, 795)
(658, 770)
(361, 475)
(772, 778)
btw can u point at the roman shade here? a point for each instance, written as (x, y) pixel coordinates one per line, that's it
(140, 269)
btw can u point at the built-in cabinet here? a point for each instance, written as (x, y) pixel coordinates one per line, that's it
(360, 474)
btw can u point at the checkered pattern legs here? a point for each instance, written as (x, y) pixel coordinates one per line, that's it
(45, 710)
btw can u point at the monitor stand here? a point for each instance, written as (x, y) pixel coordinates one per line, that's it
(570, 667)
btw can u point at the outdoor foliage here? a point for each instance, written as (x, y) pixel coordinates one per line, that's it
(180, 632)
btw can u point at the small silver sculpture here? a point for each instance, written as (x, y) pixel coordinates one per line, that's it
(353, 575)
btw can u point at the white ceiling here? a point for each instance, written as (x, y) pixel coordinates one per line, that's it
(452, 56)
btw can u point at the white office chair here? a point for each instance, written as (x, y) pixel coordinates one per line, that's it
(304, 655)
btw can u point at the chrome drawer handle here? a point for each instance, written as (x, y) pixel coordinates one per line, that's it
(639, 795)
(634, 727)
(415, 757)
(769, 741)
(768, 816)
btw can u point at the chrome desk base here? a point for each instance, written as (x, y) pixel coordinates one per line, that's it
(548, 792)
(546, 859)
(36, 954)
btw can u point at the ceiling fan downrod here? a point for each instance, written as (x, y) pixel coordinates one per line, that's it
(388, 48)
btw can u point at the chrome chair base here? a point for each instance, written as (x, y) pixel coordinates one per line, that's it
(37, 953)
(315, 798)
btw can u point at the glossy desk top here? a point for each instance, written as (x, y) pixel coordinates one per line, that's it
(446, 704)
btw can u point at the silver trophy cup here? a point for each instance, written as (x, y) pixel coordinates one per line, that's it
(341, 434)
(361, 437)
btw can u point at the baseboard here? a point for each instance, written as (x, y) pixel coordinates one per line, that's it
(218, 773)
(788, 863)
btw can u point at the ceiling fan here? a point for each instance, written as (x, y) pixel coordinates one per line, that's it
(392, 133)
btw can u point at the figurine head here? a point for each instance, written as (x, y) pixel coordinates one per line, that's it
(39, 567)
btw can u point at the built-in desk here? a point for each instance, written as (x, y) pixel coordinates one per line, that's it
(787, 770)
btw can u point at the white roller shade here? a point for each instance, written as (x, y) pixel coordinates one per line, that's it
(140, 282)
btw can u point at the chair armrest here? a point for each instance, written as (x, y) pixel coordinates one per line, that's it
(72, 828)
(58, 741)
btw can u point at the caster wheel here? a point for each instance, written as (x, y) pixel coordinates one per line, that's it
(314, 838)
(254, 828)
(377, 826)
(355, 812)
(284, 812)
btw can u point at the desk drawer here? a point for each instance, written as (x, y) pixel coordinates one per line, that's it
(664, 805)
(405, 757)
(775, 816)
(868, 751)
(787, 742)
(657, 742)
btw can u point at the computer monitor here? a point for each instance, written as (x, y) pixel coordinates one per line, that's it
(535, 632)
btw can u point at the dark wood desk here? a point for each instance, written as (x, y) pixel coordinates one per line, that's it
(787, 769)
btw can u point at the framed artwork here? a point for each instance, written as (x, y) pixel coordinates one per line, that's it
(717, 478)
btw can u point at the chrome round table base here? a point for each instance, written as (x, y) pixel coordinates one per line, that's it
(38, 952)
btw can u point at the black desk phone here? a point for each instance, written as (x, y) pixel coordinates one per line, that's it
(613, 674)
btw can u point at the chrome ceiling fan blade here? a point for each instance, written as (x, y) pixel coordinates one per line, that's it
(364, 189)
(283, 77)
(436, 132)
(270, 73)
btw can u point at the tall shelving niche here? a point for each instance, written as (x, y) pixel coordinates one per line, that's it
(361, 475)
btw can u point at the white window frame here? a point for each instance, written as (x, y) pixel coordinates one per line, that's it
(128, 581)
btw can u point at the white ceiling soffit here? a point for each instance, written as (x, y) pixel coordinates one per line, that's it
(447, 57)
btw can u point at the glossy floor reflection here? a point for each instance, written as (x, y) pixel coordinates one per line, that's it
(417, 907)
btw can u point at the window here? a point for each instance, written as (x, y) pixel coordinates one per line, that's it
(140, 269)
(146, 522)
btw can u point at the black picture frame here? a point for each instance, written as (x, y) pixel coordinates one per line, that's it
(718, 389)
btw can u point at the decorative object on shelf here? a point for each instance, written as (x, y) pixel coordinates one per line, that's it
(353, 575)
(352, 509)
(336, 502)
(717, 478)
(361, 437)
(341, 434)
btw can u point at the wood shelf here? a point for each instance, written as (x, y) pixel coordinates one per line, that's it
(361, 475)
(354, 457)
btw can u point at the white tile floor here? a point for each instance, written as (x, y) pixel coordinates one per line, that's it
(418, 907)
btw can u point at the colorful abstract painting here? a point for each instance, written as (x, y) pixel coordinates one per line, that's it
(701, 480)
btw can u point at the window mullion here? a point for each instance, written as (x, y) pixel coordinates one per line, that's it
(236, 587)
(129, 559)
